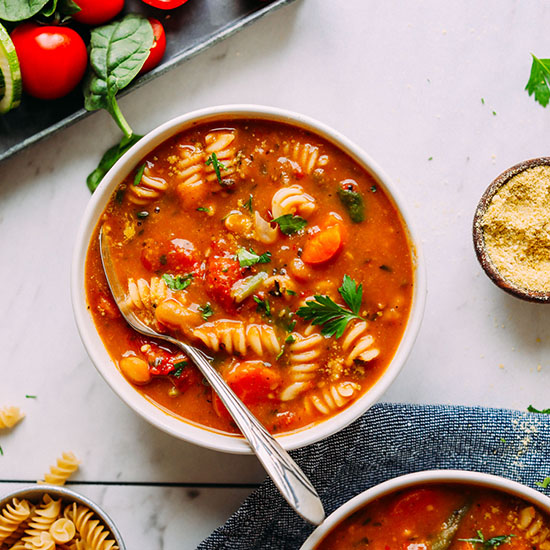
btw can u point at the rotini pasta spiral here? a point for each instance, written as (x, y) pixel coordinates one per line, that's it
(10, 416)
(93, 533)
(292, 200)
(331, 397)
(191, 168)
(40, 541)
(357, 343)
(65, 467)
(237, 337)
(264, 233)
(42, 518)
(304, 353)
(221, 143)
(306, 155)
(12, 516)
(146, 296)
(62, 530)
(149, 188)
(536, 532)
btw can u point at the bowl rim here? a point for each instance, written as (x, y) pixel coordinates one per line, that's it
(460, 477)
(482, 255)
(153, 413)
(36, 491)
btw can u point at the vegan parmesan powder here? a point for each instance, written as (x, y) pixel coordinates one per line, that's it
(516, 229)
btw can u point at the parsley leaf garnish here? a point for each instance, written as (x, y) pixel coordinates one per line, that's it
(206, 311)
(178, 368)
(30, 396)
(179, 282)
(539, 80)
(139, 174)
(248, 258)
(334, 318)
(544, 484)
(217, 165)
(290, 224)
(203, 209)
(532, 409)
(248, 204)
(489, 544)
(263, 306)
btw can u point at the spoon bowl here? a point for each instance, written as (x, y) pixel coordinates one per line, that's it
(292, 483)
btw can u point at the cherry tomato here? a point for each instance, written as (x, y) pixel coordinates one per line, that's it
(52, 59)
(157, 49)
(165, 4)
(96, 12)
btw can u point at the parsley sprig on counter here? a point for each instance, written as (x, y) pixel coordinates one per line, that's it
(539, 80)
(334, 318)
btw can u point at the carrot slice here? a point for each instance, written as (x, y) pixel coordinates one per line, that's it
(323, 246)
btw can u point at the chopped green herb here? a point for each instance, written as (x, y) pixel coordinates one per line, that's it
(532, 409)
(539, 80)
(263, 306)
(178, 368)
(280, 354)
(430, 158)
(353, 202)
(217, 165)
(1, 451)
(247, 259)
(387, 268)
(139, 174)
(323, 311)
(143, 214)
(494, 113)
(248, 204)
(30, 396)
(544, 484)
(206, 311)
(373, 189)
(502, 440)
(203, 209)
(290, 224)
(290, 339)
(179, 282)
(482, 101)
(290, 292)
(489, 544)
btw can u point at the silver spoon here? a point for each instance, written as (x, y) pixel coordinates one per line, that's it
(285, 473)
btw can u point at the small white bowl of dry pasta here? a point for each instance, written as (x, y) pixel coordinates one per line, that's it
(275, 244)
(49, 517)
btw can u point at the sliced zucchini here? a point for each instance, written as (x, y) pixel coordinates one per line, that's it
(10, 73)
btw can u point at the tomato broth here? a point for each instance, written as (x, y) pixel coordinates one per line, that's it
(446, 517)
(270, 248)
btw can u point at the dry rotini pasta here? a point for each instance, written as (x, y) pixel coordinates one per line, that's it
(10, 416)
(12, 516)
(237, 337)
(53, 527)
(150, 188)
(62, 470)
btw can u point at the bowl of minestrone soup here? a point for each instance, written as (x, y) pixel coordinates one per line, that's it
(274, 244)
(439, 509)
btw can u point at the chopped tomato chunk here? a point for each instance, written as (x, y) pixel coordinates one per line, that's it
(222, 273)
(323, 245)
(177, 255)
(251, 381)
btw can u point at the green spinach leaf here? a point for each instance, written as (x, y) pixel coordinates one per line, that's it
(17, 10)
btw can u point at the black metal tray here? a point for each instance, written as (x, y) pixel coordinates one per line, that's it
(190, 29)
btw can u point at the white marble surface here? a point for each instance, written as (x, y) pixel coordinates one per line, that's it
(402, 79)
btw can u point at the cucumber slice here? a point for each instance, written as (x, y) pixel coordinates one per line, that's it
(10, 72)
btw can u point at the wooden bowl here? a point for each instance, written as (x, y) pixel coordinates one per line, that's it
(479, 240)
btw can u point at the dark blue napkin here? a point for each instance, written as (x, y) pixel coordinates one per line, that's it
(388, 441)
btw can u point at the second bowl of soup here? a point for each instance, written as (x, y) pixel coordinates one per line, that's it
(273, 243)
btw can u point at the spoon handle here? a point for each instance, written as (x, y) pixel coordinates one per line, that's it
(285, 473)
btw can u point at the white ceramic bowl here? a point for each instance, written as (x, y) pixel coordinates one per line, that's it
(427, 477)
(105, 365)
(35, 494)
